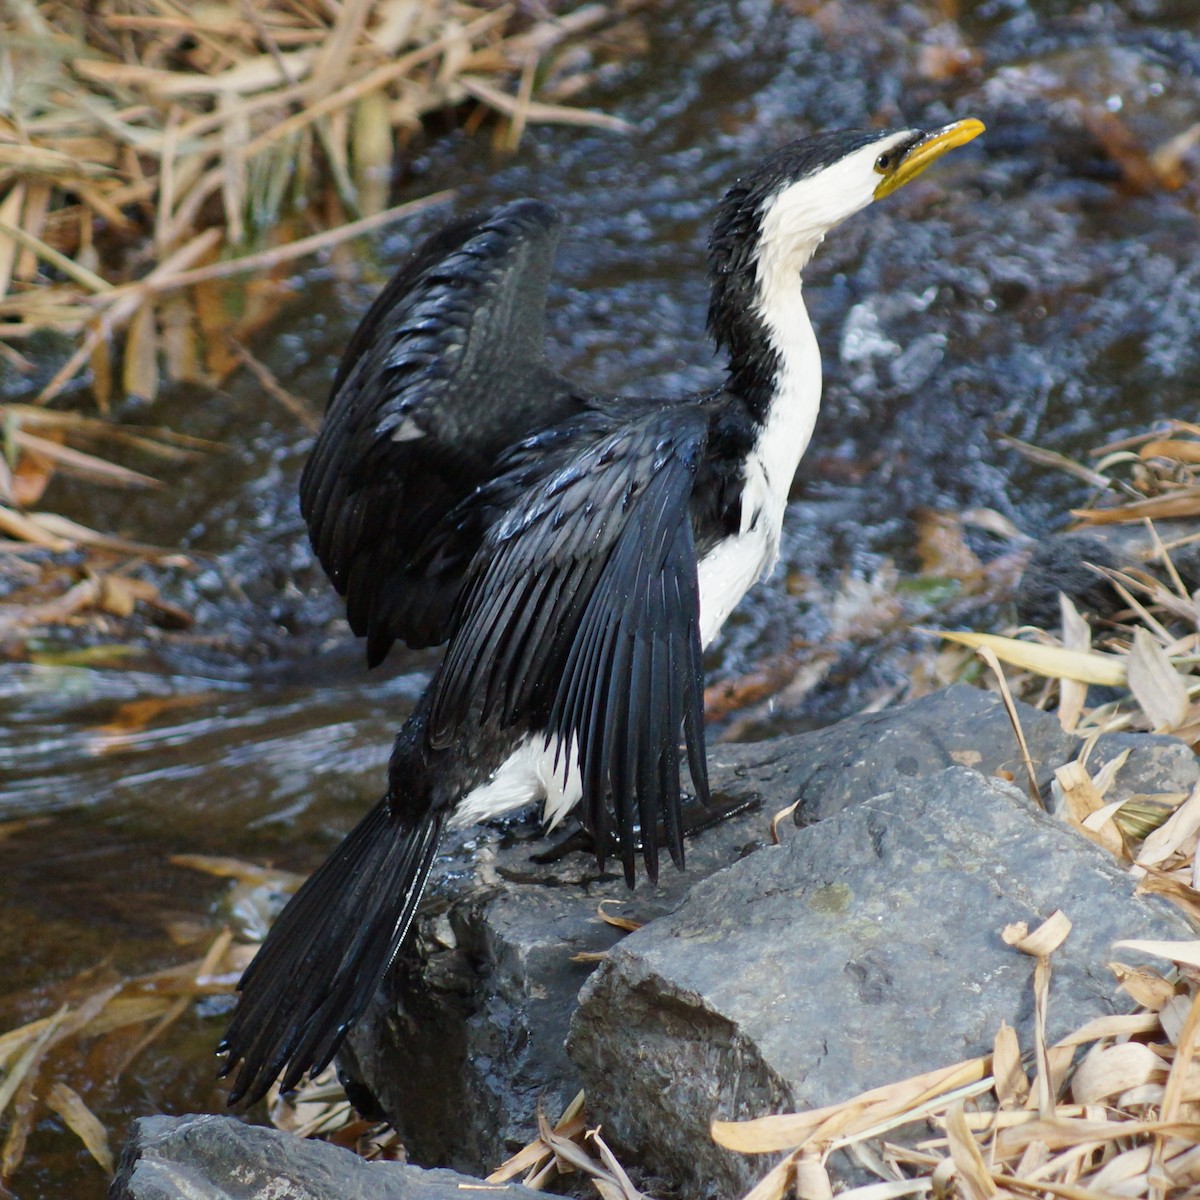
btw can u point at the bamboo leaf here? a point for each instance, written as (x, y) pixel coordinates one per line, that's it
(141, 354)
(79, 462)
(1183, 503)
(1184, 953)
(83, 1122)
(1053, 662)
(1155, 683)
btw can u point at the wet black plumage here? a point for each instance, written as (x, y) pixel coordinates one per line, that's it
(572, 551)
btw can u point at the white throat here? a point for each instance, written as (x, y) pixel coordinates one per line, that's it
(737, 563)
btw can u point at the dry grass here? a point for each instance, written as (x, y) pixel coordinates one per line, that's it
(1123, 1121)
(144, 144)
(102, 1019)
(1151, 648)
(150, 118)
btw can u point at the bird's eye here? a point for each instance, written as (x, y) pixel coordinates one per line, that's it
(885, 162)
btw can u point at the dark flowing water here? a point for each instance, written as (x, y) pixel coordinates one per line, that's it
(1022, 287)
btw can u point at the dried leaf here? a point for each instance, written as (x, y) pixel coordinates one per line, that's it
(1177, 449)
(134, 716)
(628, 924)
(1012, 1085)
(1082, 800)
(79, 463)
(1182, 825)
(942, 548)
(777, 1183)
(1184, 953)
(989, 656)
(1050, 458)
(1059, 1134)
(1185, 1051)
(1147, 987)
(1054, 662)
(1076, 637)
(29, 529)
(83, 1122)
(1110, 1070)
(1044, 940)
(972, 1173)
(1156, 685)
(34, 1048)
(1183, 503)
(764, 1135)
(1121, 1025)
(141, 354)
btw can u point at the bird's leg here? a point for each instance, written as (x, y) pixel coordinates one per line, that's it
(697, 818)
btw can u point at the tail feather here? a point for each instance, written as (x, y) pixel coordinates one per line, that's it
(325, 956)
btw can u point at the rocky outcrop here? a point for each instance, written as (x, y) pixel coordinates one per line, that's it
(765, 977)
(219, 1158)
(486, 1002)
(862, 950)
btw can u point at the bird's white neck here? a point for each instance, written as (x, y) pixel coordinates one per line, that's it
(786, 420)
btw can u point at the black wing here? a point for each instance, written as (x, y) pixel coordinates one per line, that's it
(445, 372)
(581, 618)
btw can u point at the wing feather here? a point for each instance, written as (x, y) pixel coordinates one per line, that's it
(443, 375)
(580, 618)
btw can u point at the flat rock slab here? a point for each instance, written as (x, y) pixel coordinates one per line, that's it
(864, 949)
(830, 769)
(219, 1158)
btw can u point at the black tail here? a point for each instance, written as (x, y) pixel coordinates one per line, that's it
(325, 956)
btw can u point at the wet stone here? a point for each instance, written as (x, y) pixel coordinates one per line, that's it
(865, 949)
(1067, 562)
(219, 1158)
(483, 1002)
(830, 769)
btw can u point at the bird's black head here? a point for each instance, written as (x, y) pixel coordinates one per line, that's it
(776, 215)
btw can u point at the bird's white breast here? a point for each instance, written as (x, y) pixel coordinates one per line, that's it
(730, 569)
(737, 563)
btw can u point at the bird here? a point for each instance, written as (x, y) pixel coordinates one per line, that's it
(573, 553)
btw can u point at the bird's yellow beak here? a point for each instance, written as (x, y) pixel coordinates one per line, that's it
(930, 148)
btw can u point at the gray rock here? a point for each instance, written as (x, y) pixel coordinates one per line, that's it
(863, 950)
(483, 1002)
(857, 758)
(1156, 764)
(829, 769)
(219, 1158)
(1065, 561)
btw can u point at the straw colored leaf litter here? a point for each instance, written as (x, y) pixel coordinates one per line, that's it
(199, 129)
(101, 1019)
(1151, 649)
(564, 1149)
(162, 166)
(1125, 1121)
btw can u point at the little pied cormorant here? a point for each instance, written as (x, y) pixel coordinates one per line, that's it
(574, 552)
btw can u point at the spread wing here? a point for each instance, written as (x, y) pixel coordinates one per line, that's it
(581, 617)
(445, 372)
